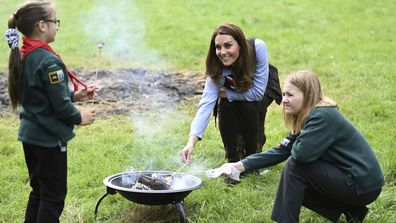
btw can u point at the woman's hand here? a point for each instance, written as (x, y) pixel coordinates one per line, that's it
(86, 94)
(186, 154)
(187, 151)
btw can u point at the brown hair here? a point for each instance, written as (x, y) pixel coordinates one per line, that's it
(243, 68)
(24, 19)
(308, 83)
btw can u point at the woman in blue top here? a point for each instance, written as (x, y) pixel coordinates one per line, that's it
(238, 76)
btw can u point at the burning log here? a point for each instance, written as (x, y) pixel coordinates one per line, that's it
(153, 183)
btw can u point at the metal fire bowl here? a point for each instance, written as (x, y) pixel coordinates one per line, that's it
(116, 183)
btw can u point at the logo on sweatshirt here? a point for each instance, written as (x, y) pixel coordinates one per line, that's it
(56, 76)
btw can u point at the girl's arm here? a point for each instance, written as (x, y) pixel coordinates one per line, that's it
(272, 156)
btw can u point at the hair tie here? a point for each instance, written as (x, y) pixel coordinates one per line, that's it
(12, 37)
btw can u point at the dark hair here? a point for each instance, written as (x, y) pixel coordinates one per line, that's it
(243, 68)
(24, 19)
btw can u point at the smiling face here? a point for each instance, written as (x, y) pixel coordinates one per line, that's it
(227, 49)
(293, 99)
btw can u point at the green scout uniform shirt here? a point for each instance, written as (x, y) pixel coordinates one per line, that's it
(329, 136)
(47, 113)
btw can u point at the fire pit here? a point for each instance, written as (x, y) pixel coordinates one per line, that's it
(178, 187)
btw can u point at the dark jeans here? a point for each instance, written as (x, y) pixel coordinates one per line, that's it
(47, 172)
(318, 186)
(238, 117)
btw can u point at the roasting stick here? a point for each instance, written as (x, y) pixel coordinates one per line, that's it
(185, 164)
(193, 172)
(187, 172)
(100, 45)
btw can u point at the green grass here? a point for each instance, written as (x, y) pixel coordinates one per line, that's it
(349, 44)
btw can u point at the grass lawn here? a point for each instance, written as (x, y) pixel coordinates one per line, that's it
(349, 44)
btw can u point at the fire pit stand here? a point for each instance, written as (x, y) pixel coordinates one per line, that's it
(117, 184)
(182, 215)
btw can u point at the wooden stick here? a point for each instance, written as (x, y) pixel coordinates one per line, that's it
(185, 164)
(100, 45)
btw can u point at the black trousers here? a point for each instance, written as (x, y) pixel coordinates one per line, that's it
(47, 172)
(238, 117)
(230, 117)
(318, 186)
(262, 107)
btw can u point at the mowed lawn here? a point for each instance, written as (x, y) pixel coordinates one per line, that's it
(349, 44)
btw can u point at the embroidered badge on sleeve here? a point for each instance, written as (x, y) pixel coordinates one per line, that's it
(56, 76)
(284, 142)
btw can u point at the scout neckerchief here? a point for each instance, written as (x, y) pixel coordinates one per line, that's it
(31, 44)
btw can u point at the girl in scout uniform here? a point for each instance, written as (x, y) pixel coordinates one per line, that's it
(38, 86)
(330, 169)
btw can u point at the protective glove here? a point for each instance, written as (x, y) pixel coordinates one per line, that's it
(227, 170)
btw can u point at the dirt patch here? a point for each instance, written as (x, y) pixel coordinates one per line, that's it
(124, 91)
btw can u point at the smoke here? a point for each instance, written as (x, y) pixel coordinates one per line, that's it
(153, 124)
(121, 26)
(153, 135)
(155, 132)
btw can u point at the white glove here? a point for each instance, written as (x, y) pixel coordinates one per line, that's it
(227, 170)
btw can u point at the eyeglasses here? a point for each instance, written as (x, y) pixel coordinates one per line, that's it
(56, 21)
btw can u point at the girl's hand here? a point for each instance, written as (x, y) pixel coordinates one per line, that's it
(86, 94)
(87, 116)
(231, 170)
(237, 165)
